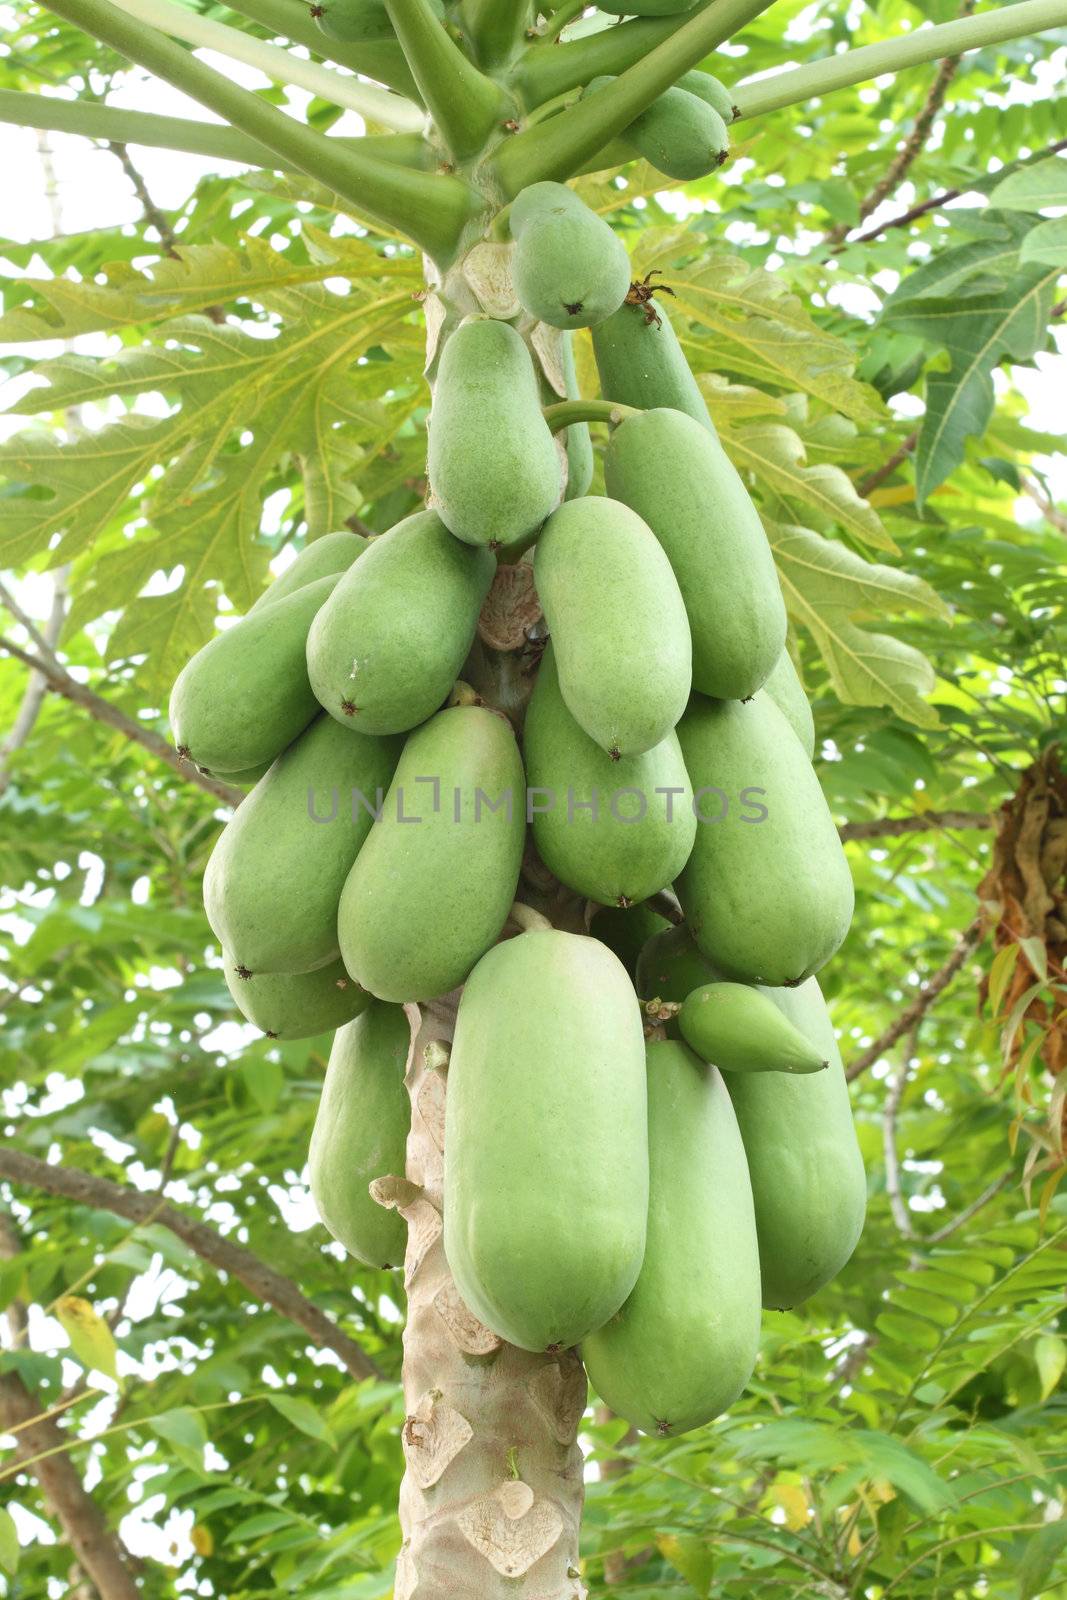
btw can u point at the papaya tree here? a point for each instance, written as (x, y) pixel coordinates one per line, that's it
(531, 854)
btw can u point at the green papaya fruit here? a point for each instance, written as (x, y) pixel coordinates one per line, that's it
(245, 696)
(333, 553)
(707, 88)
(681, 481)
(577, 442)
(295, 1005)
(767, 891)
(683, 1346)
(495, 472)
(618, 624)
(738, 1029)
(386, 648)
(670, 966)
(641, 363)
(431, 888)
(680, 134)
(360, 1134)
(358, 21)
(546, 1142)
(569, 268)
(807, 1172)
(626, 931)
(292, 844)
(785, 689)
(248, 777)
(615, 831)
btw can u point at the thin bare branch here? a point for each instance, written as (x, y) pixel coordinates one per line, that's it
(913, 1014)
(886, 470)
(37, 685)
(925, 822)
(987, 1194)
(1048, 508)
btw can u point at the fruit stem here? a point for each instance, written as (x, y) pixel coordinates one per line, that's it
(895, 55)
(541, 75)
(560, 18)
(462, 101)
(564, 412)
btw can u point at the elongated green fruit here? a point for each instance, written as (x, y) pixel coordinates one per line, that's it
(579, 445)
(683, 1346)
(295, 1005)
(680, 134)
(546, 1142)
(766, 891)
(615, 831)
(386, 648)
(670, 966)
(707, 88)
(431, 888)
(245, 696)
(291, 845)
(738, 1029)
(626, 930)
(360, 1134)
(807, 1172)
(618, 624)
(641, 363)
(681, 481)
(495, 472)
(569, 268)
(333, 553)
(785, 689)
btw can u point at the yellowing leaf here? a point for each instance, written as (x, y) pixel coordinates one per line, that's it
(693, 1558)
(776, 455)
(899, 494)
(202, 1540)
(793, 1500)
(91, 1340)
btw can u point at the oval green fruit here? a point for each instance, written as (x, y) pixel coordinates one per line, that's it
(292, 844)
(705, 87)
(641, 363)
(618, 622)
(626, 931)
(360, 1134)
(785, 689)
(680, 134)
(569, 268)
(767, 891)
(680, 480)
(615, 831)
(546, 1142)
(295, 1005)
(683, 1346)
(495, 472)
(431, 888)
(738, 1029)
(670, 966)
(386, 648)
(245, 696)
(807, 1172)
(333, 553)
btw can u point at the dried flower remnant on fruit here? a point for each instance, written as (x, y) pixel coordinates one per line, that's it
(641, 292)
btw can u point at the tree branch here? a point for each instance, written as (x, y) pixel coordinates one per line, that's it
(880, 474)
(913, 1014)
(926, 822)
(987, 1194)
(61, 682)
(37, 686)
(1048, 508)
(223, 1254)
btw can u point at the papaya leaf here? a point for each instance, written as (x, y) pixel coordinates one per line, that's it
(1030, 188)
(828, 587)
(776, 455)
(91, 1340)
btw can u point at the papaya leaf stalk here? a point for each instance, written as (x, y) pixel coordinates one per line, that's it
(430, 209)
(548, 69)
(496, 27)
(382, 59)
(463, 102)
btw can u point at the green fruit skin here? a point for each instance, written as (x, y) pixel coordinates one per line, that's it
(424, 900)
(709, 89)
(680, 134)
(578, 444)
(386, 648)
(739, 1030)
(681, 481)
(641, 364)
(360, 1134)
(248, 777)
(292, 844)
(807, 1172)
(569, 268)
(333, 553)
(614, 862)
(626, 931)
(495, 473)
(618, 623)
(670, 966)
(683, 1346)
(245, 696)
(785, 689)
(768, 901)
(546, 1141)
(296, 1005)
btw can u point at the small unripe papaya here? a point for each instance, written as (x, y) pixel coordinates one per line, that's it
(618, 624)
(245, 696)
(626, 931)
(641, 363)
(670, 966)
(431, 888)
(786, 690)
(615, 831)
(569, 268)
(386, 648)
(333, 553)
(494, 470)
(738, 1029)
(291, 844)
(546, 1140)
(707, 88)
(766, 891)
(680, 134)
(360, 1134)
(295, 1005)
(683, 1346)
(680, 480)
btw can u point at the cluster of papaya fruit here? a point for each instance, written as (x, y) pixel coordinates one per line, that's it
(648, 1129)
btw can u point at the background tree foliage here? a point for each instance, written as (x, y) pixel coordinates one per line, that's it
(236, 1416)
